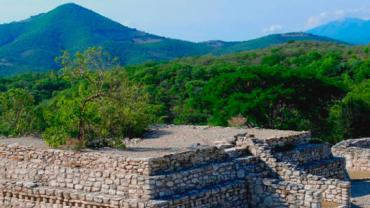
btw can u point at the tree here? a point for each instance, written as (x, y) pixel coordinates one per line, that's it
(17, 116)
(100, 108)
(350, 118)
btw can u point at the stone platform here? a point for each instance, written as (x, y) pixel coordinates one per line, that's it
(177, 166)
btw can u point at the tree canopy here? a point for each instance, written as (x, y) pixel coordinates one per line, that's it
(314, 86)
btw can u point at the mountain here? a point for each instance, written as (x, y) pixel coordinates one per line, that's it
(33, 44)
(350, 30)
(267, 41)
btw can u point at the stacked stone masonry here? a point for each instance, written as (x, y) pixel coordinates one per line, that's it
(247, 172)
(314, 188)
(356, 152)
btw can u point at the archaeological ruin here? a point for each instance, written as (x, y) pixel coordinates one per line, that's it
(178, 166)
(356, 152)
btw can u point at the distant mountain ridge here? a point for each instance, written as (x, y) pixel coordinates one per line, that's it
(32, 44)
(350, 30)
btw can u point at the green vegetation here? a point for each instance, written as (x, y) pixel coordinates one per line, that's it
(31, 45)
(323, 87)
(351, 116)
(299, 85)
(94, 106)
(17, 113)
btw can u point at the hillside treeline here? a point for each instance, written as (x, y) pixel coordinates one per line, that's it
(322, 87)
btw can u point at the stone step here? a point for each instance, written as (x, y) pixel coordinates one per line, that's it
(231, 194)
(221, 195)
(200, 158)
(231, 154)
(205, 176)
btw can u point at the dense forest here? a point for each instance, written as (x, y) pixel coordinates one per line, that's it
(323, 87)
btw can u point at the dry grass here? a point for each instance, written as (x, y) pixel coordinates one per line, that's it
(237, 121)
(359, 175)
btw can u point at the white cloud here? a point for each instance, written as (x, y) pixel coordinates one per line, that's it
(272, 29)
(328, 16)
(324, 17)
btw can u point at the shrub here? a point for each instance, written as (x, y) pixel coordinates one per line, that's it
(237, 121)
(55, 136)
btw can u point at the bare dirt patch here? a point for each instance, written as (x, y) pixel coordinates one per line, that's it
(168, 139)
(327, 204)
(25, 141)
(359, 175)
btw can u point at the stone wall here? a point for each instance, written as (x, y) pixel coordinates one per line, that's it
(71, 159)
(207, 176)
(210, 176)
(246, 174)
(304, 153)
(276, 193)
(302, 138)
(115, 162)
(230, 195)
(290, 170)
(356, 153)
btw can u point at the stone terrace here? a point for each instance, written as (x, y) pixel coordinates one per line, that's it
(176, 166)
(356, 152)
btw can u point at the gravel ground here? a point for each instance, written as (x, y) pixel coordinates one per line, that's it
(26, 141)
(167, 139)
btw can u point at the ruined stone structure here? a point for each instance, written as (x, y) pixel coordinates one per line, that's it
(246, 171)
(356, 152)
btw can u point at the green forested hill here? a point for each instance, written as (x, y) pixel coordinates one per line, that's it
(32, 44)
(268, 41)
(323, 87)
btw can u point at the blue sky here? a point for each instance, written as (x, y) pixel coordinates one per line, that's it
(200, 20)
